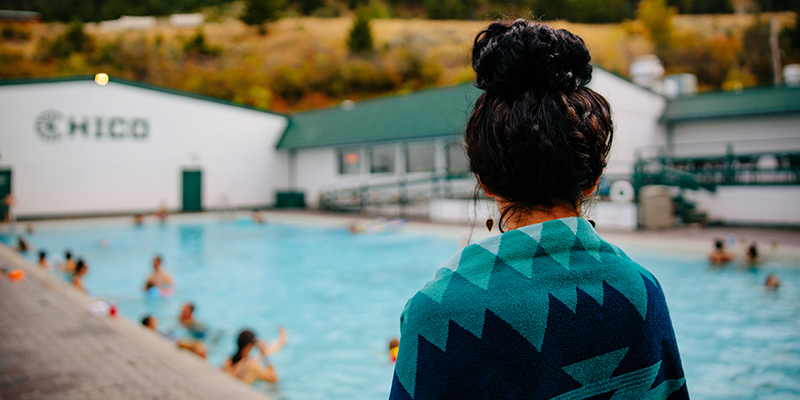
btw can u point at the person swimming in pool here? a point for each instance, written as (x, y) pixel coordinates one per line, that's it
(22, 245)
(719, 256)
(159, 278)
(772, 283)
(258, 217)
(752, 255)
(248, 369)
(162, 213)
(188, 321)
(44, 263)
(77, 277)
(394, 348)
(68, 265)
(195, 347)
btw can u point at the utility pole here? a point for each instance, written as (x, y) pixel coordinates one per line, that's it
(776, 50)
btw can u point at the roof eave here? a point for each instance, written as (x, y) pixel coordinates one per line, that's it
(664, 119)
(281, 146)
(138, 84)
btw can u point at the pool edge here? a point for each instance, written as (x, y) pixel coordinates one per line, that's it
(211, 379)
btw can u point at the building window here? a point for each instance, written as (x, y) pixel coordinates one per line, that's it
(382, 159)
(420, 157)
(457, 163)
(349, 160)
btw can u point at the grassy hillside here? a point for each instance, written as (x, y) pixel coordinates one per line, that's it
(304, 62)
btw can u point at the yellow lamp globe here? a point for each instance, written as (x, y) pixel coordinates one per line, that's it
(101, 79)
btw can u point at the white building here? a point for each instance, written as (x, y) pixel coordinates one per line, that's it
(73, 147)
(361, 151)
(747, 144)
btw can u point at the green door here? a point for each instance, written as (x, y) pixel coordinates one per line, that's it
(5, 190)
(192, 191)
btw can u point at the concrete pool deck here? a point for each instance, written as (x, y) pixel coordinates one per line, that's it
(52, 348)
(693, 240)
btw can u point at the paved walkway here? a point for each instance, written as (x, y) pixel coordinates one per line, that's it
(51, 348)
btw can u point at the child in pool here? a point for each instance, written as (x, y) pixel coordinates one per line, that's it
(77, 277)
(195, 347)
(394, 347)
(719, 256)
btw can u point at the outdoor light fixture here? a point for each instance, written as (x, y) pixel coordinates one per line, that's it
(101, 79)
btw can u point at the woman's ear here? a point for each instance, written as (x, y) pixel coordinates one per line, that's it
(485, 190)
(588, 192)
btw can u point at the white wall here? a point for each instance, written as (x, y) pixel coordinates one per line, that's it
(750, 204)
(608, 215)
(748, 135)
(318, 170)
(635, 114)
(89, 174)
(611, 215)
(462, 211)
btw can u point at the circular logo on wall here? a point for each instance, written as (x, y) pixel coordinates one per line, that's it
(47, 124)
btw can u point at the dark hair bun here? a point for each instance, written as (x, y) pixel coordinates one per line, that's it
(523, 55)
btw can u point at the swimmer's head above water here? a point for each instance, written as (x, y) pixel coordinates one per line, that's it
(150, 321)
(244, 343)
(80, 268)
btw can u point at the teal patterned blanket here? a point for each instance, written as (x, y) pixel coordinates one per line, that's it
(547, 311)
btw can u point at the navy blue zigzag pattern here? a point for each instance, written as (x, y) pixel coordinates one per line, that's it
(502, 364)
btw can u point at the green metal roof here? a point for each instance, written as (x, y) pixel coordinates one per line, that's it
(760, 101)
(424, 114)
(143, 85)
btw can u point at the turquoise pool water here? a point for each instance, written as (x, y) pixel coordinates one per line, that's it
(340, 296)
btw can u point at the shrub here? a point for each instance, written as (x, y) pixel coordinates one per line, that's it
(360, 38)
(259, 12)
(710, 59)
(73, 40)
(13, 33)
(198, 47)
(702, 6)
(307, 7)
(367, 77)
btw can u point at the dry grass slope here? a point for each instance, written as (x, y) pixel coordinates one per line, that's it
(294, 41)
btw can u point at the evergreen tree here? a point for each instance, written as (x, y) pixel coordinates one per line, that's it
(702, 6)
(450, 9)
(595, 11)
(360, 39)
(259, 12)
(309, 6)
(778, 5)
(74, 40)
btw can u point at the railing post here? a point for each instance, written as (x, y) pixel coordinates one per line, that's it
(363, 198)
(402, 197)
(730, 174)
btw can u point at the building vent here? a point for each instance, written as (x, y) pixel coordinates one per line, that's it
(791, 75)
(647, 71)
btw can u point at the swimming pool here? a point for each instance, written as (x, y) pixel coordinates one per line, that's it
(340, 296)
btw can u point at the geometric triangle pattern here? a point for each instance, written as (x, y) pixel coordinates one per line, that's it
(546, 311)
